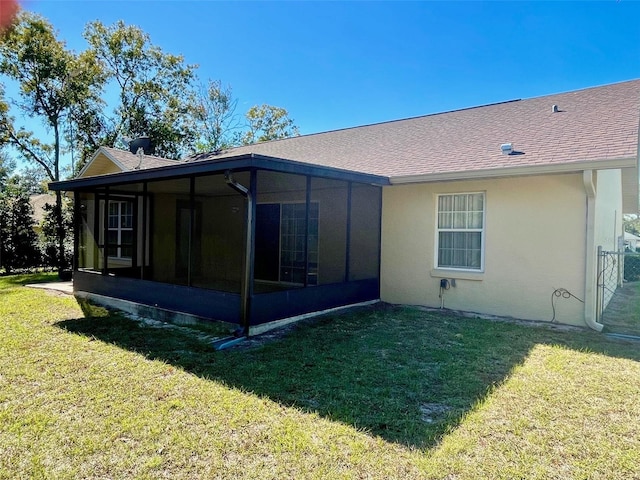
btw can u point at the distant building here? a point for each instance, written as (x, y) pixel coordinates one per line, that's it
(37, 203)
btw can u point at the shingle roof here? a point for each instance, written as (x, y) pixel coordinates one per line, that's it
(130, 160)
(594, 124)
(38, 202)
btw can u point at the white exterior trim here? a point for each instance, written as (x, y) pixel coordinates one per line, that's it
(573, 167)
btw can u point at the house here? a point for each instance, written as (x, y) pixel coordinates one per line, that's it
(489, 209)
(631, 241)
(38, 202)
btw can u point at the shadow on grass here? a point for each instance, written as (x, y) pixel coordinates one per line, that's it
(403, 374)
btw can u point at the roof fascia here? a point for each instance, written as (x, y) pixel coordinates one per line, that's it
(242, 162)
(264, 162)
(518, 171)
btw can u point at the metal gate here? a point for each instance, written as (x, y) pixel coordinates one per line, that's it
(609, 278)
(614, 268)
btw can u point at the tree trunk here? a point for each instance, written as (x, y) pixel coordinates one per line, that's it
(59, 223)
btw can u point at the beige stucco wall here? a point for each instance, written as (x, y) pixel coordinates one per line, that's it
(608, 224)
(534, 244)
(608, 215)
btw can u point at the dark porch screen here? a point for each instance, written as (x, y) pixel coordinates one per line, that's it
(267, 263)
(364, 246)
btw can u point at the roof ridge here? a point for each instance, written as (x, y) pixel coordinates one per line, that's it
(385, 122)
(444, 112)
(122, 150)
(584, 89)
(196, 156)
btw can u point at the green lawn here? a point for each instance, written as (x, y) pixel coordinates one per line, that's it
(380, 393)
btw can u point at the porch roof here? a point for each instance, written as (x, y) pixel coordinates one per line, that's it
(240, 162)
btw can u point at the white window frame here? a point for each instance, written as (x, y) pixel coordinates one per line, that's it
(119, 228)
(438, 230)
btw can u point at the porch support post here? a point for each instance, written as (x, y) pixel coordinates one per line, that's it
(251, 241)
(306, 231)
(246, 281)
(105, 229)
(77, 222)
(192, 236)
(96, 230)
(143, 260)
(347, 256)
(135, 242)
(381, 191)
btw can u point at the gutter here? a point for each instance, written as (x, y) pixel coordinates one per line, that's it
(245, 299)
(590, 262)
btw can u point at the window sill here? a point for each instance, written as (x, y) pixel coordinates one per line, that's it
(456, 274)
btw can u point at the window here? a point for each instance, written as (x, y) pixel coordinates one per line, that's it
(460, 232)
(120, 229)
(292, 235)
(280, 236)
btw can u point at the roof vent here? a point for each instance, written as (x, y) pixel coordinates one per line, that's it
(506, 148)
(555, 109)
(141, 142)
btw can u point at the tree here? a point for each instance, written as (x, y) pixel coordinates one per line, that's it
(19, 245)
(218, 124)
(48, 241)
(6, 167)
(631, 224)
(53, 81)
(34, 179)
(154, 91)
(266, 122)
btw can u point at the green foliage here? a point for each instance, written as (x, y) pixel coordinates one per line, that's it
(49, 240)
(266, 122)
(632, 267)
(218, 124)
(220, 127)
(34, 179)
(6, 167)
(155, 94)
(631, 224)
(53, 83)
(18, 241)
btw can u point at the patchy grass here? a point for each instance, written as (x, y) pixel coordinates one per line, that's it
(380, 393)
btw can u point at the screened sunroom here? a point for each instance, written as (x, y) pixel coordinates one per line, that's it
(246, 240)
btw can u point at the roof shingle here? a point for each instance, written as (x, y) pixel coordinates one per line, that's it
(594, 124)
(130, 160)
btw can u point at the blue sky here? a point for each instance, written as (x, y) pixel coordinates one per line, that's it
(340, 64)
